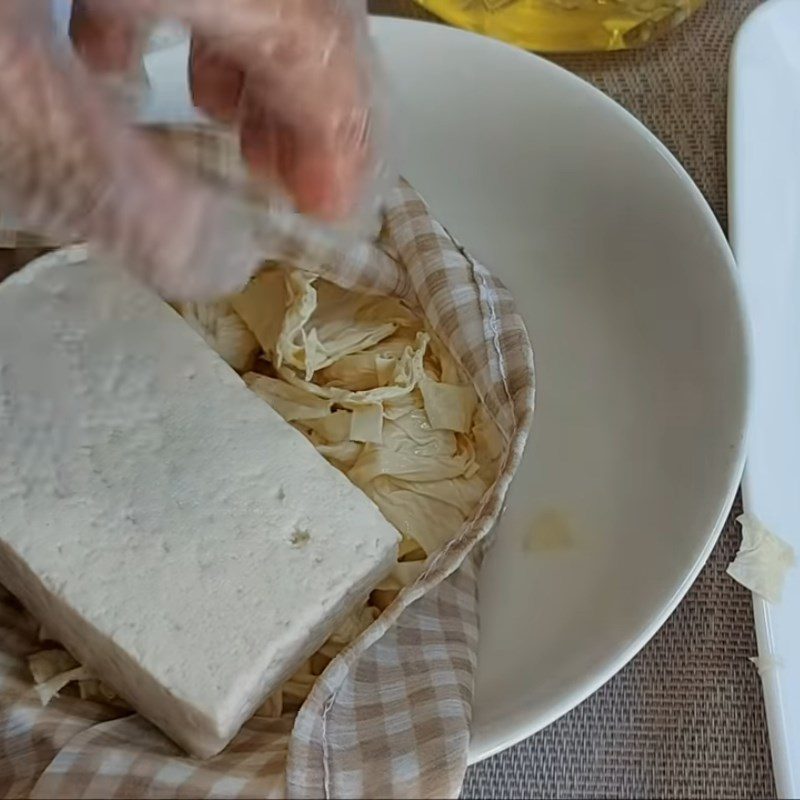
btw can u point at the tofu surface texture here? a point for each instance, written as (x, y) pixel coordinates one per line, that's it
(158, 518)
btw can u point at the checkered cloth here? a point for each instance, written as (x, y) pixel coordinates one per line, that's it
(390, 716)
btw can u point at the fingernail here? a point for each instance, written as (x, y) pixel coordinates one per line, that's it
(321, 186)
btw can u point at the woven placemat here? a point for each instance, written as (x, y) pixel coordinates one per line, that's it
(685, 718)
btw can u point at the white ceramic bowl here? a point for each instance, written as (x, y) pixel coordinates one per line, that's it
(628, 288)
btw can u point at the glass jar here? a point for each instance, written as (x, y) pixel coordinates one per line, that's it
(566, 25)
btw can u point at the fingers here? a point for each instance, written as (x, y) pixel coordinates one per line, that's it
(110, 42)
(297, 72)
(325, 180)
(216, 81)
(306, 113)
(107, 42)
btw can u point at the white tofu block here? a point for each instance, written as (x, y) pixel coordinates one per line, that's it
(157, 517)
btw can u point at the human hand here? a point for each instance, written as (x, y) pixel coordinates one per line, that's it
(292, 74)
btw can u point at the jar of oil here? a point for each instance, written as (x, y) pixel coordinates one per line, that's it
(566, 25)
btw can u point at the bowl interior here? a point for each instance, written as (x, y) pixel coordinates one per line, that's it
(627, 285)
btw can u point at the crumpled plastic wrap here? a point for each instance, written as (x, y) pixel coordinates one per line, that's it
(762, 561)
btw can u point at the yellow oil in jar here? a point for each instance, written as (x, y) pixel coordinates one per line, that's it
(566, 25)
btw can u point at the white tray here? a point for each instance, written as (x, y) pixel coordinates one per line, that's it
(764, 171)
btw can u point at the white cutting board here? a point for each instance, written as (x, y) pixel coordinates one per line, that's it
(764, 172)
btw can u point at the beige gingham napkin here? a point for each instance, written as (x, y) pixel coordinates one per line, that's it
(390, 716)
